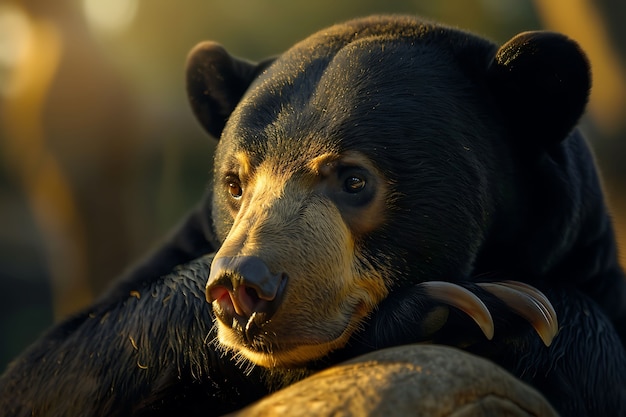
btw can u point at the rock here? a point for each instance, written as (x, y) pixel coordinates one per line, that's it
(414, 380)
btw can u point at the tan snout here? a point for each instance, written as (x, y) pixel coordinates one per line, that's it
(244, 289)
(287, 286)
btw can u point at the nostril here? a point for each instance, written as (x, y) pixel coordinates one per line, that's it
(248, 300)
(244, 300)
(242, 288)
(251, 295)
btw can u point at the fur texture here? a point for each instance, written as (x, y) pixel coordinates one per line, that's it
(354, 174)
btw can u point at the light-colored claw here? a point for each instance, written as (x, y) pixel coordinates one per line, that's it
(462, 299)
(529, 303)
(541, 299)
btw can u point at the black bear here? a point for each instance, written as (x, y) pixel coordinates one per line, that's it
(386, 181)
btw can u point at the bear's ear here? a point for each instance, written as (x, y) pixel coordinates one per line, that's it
(541, 80)
(216, 81)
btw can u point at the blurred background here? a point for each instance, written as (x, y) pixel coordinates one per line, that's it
(100, 154)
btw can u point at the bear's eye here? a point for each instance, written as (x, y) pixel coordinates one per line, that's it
(352, 188)
(353, 184)
(234, 187)
(235, 190)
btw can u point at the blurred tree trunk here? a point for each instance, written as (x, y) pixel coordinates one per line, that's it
(70, 133)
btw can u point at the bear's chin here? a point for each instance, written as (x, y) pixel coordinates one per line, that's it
(294, 353)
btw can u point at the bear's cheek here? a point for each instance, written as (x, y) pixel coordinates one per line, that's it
(321, 308)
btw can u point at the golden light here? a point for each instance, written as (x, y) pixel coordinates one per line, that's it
(110, 16)
(15, 41)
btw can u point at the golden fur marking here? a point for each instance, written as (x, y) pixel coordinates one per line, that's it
(320, 165)
(244, 165)
(285, 220)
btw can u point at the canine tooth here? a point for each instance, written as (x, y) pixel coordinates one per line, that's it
(464, 300)
(529, 303)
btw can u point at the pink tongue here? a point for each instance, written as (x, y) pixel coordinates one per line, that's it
(223, 299)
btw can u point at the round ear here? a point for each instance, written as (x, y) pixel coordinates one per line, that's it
(541, 80)
(216, 81)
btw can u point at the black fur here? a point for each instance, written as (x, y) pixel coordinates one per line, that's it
(495, 184)
(146, 351)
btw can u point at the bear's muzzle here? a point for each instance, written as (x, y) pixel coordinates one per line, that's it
(244, 291)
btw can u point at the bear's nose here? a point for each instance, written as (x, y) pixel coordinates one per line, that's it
(244, 286)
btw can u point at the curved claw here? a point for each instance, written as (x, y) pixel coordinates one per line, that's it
(543, 301)
(529, 303)
(462, 299)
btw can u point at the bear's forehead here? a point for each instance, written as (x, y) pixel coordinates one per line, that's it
(344, 89)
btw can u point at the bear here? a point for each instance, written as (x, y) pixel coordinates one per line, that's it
(388, 181)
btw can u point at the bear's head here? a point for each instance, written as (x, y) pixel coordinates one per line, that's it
(371, 159)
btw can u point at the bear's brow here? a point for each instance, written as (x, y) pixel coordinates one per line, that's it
(319, 164)
(244, 164)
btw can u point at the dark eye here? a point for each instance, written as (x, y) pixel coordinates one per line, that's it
(354, 184)
(234, 187)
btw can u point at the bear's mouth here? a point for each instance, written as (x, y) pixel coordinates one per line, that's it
(277, 320)
(260, 341)
(244, 312)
